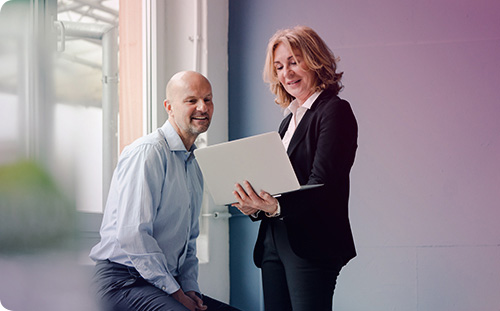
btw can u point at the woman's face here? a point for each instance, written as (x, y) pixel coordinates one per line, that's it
(293, 73)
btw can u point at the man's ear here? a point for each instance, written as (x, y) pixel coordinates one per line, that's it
(168, 106)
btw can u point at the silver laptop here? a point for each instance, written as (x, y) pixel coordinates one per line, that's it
(260, 159)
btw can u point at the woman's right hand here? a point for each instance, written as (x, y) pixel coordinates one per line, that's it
(250, 203)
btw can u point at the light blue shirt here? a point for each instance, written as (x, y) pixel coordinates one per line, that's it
(151, 220)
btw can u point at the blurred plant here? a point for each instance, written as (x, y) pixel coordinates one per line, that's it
(34, 214)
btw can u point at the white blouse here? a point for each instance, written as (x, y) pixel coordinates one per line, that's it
(298, 112)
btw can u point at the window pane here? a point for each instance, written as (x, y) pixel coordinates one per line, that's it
(78, 121)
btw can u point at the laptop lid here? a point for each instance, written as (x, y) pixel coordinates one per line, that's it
(260, 159)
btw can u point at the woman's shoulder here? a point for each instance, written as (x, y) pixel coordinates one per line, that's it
(328, 101)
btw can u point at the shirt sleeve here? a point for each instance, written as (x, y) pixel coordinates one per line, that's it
(140, 177)
(188, 277)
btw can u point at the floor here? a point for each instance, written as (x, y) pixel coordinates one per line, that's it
(49, 281)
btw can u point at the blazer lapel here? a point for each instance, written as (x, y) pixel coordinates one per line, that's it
(300, 131)
(304, 124)
(284, 125)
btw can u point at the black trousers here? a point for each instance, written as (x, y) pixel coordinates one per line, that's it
(294, 283)
(121, 288)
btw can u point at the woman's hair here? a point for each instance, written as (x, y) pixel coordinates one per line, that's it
(316, 55)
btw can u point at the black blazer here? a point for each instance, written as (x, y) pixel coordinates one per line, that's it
(321, 151)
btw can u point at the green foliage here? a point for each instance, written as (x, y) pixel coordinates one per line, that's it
(34, 214)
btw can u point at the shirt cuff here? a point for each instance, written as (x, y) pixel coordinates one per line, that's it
(276, 213)
(169, 288)
(255, 215)
(190, 285)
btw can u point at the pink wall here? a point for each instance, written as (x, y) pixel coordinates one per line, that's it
(423, 78)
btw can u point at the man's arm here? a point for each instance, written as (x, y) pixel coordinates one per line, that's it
(140, 176)
(188, 277)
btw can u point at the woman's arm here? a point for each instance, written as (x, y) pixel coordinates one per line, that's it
(249, 202)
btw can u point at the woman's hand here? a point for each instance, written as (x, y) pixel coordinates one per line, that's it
(249, 202)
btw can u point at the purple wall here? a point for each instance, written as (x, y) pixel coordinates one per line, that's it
(423, 78)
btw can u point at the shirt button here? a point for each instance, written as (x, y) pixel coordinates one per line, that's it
(163, 288)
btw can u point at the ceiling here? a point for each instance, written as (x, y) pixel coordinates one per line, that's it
(78, 68)
(92, 11)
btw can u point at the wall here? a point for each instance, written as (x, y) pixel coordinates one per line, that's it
(176, 28)
(422, 78)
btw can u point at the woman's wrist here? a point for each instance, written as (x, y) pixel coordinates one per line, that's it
(276, 212)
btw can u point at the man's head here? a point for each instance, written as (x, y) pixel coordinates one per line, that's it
(189, 105)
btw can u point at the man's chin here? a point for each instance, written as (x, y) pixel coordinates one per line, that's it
(200, 129)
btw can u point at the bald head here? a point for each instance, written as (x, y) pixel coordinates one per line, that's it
(189, 105)
(182, 80)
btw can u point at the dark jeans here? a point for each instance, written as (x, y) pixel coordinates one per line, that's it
(294, 283)
(121, 288)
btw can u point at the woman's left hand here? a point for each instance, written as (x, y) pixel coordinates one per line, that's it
(249, 202)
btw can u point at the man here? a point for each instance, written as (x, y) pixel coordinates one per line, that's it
(146, 259)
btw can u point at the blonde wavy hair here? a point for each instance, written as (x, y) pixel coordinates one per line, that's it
(317, 57)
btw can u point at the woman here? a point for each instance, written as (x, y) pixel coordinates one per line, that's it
(305, 236)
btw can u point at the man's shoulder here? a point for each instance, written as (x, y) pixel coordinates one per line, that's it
(151, 141)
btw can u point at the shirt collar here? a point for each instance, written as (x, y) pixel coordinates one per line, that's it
(174, 141)
(294, 105)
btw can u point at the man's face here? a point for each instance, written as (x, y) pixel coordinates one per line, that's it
(190, 107)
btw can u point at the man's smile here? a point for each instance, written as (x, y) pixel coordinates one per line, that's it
(200, 118)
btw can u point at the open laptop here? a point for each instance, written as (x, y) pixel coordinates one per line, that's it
(260, 159)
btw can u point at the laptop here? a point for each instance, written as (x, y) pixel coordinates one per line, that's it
(260, 159)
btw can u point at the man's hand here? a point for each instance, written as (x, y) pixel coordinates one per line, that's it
(199, 302)
(186, 300)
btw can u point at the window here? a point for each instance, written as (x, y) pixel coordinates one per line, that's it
(86, 98)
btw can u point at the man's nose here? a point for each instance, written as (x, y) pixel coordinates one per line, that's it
(202, 106)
